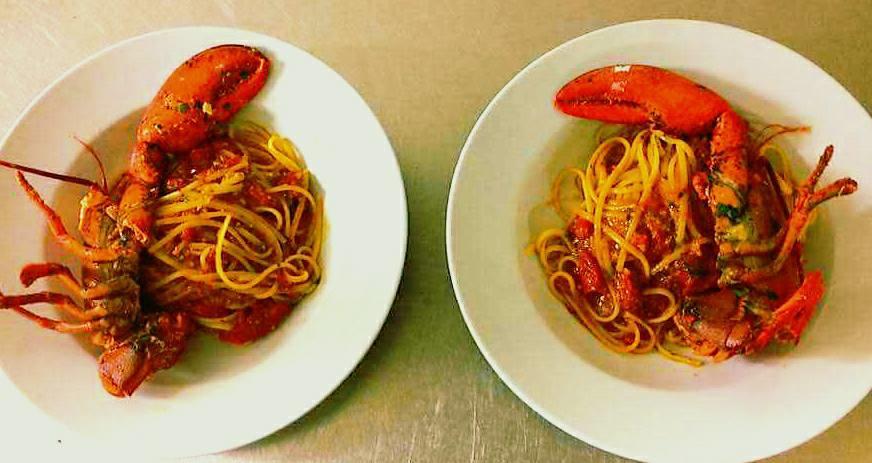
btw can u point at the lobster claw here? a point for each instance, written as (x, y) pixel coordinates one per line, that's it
(206, 90)
(157, 346)
(640, 94)
(790, 319)
(209, 88)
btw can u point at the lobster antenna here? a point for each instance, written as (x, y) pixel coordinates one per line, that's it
(96, 158)
(44, 173)
(776, 131)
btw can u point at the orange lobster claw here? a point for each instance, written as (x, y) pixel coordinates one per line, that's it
(640, 94)
(789, 320)
(208, 88)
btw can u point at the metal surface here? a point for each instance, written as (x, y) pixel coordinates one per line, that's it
(424, 393)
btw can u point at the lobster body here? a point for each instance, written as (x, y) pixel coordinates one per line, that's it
(115, 225)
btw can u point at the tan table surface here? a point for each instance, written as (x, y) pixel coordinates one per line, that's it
(427, 68)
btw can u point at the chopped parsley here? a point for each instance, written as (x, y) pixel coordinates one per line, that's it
(740, 291)
(183, 108)
(730, 212)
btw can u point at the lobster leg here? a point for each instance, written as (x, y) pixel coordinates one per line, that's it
(56, 299)
(32, 272)
(56, 325)
(807, 198)
(61, 326)
(59, 231)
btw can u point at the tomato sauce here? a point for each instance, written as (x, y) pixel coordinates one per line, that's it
(256, 321)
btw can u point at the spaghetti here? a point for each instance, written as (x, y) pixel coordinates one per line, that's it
(628, 215)
(239, 232)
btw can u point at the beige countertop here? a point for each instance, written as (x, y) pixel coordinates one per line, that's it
(427, 68)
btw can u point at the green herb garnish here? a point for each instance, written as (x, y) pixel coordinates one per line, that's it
(740, 291)
(730, 212)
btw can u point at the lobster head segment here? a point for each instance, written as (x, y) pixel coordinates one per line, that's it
(639, 94)
(207, 89)
(157, 346)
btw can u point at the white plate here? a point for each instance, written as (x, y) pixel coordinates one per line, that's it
(645, 407)
(219, 396)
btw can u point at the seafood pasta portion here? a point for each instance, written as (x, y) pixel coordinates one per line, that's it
(211, 226)
(215, 225)
(680, 235)
(239, 234)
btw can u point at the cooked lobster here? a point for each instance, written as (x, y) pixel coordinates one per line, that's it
(761, 292)
(201, 95)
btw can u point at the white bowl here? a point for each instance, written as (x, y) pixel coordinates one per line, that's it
(219, 396)
(646, 407)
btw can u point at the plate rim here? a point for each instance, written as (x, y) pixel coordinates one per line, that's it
(394, 171)
(450, 218)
